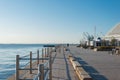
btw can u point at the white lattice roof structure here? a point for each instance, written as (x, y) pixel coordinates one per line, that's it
(114, 33)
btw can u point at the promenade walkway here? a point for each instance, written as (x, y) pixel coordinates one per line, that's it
(62, 68)
(100, 65)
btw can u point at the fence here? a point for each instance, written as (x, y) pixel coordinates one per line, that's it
(44, 69)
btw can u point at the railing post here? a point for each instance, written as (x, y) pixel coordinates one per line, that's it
(45, 53)
(50, 66)
(42, 71)
(51, 49)
(59, 50)
(30, 62)
(17, 67)
(37, 57)
(42, 55)
(38, 72)
(48, 51)
(63, 49)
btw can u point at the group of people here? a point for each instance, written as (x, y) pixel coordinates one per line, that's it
(116, 51)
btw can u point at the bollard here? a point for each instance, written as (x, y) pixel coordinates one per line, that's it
(30, 62)
(17, 67)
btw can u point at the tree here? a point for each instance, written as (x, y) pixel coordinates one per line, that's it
(104, 43)
(113, 42)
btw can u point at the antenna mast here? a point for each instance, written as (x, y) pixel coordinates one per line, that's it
(95, 32)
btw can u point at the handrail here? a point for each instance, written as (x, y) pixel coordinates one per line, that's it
(26, 64)
(33, 58)
(25, 56)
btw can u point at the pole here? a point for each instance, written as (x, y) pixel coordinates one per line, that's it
(42, 71)
(48, 51)
(42, 56)
(30, 62)
(45, 53)
(95, 37)
(37, 57)
(50, 65)
(17, 67)
(39, 72)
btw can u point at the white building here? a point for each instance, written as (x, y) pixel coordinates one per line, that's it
(113, 33)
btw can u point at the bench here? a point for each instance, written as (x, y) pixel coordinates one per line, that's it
(82, 74)
(76, 64)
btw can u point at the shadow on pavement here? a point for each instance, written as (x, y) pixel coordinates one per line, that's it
(92, 71)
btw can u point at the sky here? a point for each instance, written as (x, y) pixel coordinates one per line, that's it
(55, 21)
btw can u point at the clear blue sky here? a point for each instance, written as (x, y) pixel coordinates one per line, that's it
(55, 21)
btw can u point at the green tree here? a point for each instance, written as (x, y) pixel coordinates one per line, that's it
(113, 42)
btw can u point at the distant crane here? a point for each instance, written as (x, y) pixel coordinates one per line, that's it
(88, 37)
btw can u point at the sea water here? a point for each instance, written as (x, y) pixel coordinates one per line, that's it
(8, 54)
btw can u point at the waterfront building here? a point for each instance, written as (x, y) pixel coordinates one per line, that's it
(114, 33)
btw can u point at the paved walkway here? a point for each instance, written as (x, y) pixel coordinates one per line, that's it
(100, 65)
(62, 68)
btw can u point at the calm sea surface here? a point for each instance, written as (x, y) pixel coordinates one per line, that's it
(8, 54)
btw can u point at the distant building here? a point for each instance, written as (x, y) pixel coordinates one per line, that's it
(113, 33)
